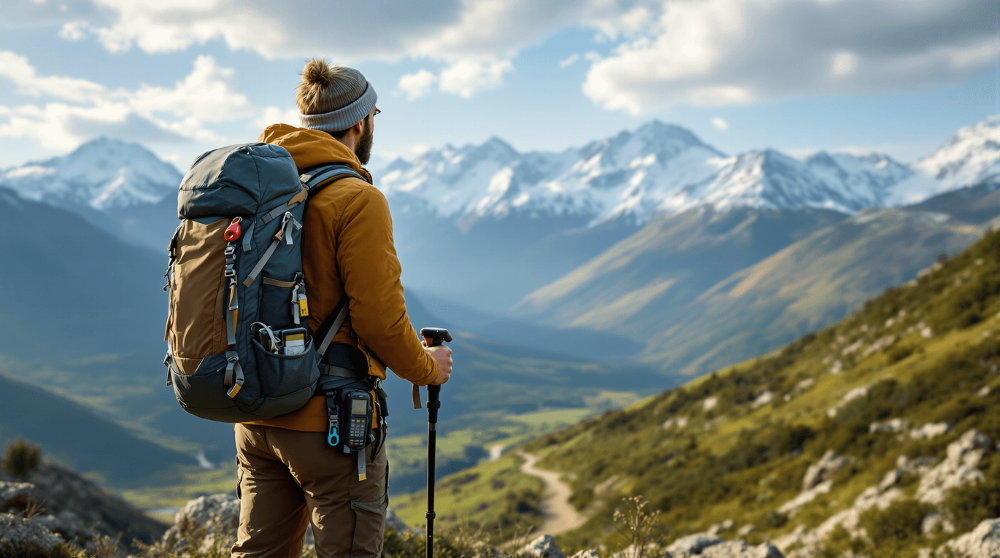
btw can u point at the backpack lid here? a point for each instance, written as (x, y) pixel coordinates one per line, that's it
(236, 180)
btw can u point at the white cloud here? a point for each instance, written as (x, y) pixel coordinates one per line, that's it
(78, 110)
(208, 94)
(569, 61)
(417, 84)
(274, 115)
(722, 52)
(720, 124)
(17, 69)
(465, 77)
(458, 33)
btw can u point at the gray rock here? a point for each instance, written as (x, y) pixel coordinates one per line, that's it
(17, 495)
(740, 549)
(958, 469)
(17, 531)
(543, 547)
(216, 516)
(828, 466)
(746, 530)
(930, 430)
(982, 542)
(935, 522)
(891, 425)
(694, 544)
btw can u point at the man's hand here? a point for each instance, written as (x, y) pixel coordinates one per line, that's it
(441, 354)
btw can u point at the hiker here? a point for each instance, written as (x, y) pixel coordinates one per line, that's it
(290, 477)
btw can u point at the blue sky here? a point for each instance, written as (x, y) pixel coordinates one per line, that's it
(184, 76)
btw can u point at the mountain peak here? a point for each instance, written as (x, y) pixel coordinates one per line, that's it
(101, 173)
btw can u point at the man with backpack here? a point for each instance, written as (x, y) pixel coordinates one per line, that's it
(291, 475)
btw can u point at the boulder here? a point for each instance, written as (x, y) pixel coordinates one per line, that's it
(824, 469)
(930, 430)
(543, 547)
(211, 519)
(958, 469)
(891, 425)
(981, 542)
(804, 497)
(740, 549)
(17, 495)
(693, 544)
(19, 532)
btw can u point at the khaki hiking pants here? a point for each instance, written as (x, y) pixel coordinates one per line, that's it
(290, 479)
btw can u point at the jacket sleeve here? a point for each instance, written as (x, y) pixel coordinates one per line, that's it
(370, 269)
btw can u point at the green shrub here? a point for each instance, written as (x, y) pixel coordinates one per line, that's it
(973, 503)
(896, 526)
(21, 458)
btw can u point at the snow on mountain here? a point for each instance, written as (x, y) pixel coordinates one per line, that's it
(102, 174)
(658, 169)
(626, 175)
(971, 156)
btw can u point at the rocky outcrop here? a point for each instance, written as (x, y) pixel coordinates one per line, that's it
(75, 508)
(981, 542)
(958, 469)
(825, 469)
(740, 549)
(21, 534)
(542, 547)
(930, 430)
(210, 522)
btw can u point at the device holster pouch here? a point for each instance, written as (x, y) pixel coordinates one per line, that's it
(351, 404)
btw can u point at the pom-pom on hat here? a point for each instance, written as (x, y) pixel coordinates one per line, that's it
(333, 98)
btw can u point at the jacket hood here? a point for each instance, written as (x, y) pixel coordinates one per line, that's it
(310, 148)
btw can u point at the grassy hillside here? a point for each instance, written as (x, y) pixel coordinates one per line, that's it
(736, 444)
(75, 435)
(677, 284)
(807, 285)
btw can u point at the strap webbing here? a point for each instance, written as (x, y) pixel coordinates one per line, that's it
(362, 475)
(274, 213)
(334, 328)
(323, 174)
(416, 396)
(282, 284)
(285, 232)
(234, 372)
(247, 236)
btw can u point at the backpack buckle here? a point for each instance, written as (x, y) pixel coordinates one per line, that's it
(230, 250)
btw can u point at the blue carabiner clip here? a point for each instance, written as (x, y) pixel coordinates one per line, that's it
(333, 438)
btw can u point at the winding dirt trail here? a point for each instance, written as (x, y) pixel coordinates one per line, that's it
(560, 515)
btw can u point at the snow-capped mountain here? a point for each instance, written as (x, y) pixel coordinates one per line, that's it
(626, 175)
(102, 174)
(971, 156)
(659, 169)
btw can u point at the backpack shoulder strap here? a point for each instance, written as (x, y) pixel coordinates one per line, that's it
(323, 175)
(314, 180)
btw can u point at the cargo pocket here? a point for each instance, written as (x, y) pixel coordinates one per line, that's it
(287, 381)
(369, 527)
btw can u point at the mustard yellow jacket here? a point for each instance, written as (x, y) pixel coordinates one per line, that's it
(347, 250)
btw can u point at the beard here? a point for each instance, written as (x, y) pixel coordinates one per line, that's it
(364, 147)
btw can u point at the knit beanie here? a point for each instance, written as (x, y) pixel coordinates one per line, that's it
(333, 98)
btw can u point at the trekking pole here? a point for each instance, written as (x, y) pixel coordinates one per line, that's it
(433, 336)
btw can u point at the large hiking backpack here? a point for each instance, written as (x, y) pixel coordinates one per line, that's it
(235, 271)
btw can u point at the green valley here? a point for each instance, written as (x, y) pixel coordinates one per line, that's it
(731, 449)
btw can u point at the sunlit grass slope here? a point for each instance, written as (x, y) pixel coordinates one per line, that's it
(735, 444)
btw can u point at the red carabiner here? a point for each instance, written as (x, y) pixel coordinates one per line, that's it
(234, 230)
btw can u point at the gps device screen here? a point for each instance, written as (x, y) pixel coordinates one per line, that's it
(359, 407)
